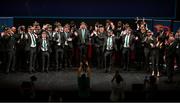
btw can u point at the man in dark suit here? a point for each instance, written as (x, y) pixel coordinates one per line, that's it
(68, 46)
(169, 57)
(147, 42)
(1, 50)
(83, 39)
(128, 45)
(139, 47)
(155, 53)
(9, 44)
(31, 45)
(99, 42)
(59, 46)
(44, 49)
(20, 48)
(177, 38)
(108, 48)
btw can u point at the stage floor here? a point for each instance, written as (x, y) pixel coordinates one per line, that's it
(67, 80)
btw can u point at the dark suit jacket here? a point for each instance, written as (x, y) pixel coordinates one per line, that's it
(99, 40)
(69, 35)
(40, 45)
(131, 41)
(21, 44)
(114, 44)
(87, 34)
(28, 42)
(178, 44)
(149, 41)
(9, 43)
(141, 36)
(170, 51)
(56, 38)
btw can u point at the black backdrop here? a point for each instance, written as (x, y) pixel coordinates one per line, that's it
(91, 8)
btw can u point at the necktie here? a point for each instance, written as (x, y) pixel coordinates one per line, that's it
(83, 34)
(66, 35)
(109, 43)
(44, 45)
(33, 39)
(126, 40)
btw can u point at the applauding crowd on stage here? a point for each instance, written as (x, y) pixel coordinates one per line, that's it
(35, 48)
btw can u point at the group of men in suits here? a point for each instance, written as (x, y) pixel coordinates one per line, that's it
(44, 48)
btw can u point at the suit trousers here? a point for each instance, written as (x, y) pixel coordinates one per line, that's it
(170, 67)
(10, 63)
(99, 56)
(155, 60)
(83, 51)
(45, 60)
(108, 58)
(68, 52)
(32, 59)
(147, 58)
(126, 56)
(59, 57)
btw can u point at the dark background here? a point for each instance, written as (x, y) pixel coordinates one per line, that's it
(25, 12)
(91, 9)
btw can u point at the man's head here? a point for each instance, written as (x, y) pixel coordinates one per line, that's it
(7, 30)
(13, 29)
(129, 31)
(67, 28)
(44, 34)
(21, 28)
(110, 32)
(49, 28)
(30, 29)
(149, 33)
(56, 24)
(119, 23)
(83, 25)
(101, 28)
(177, 35)
(171, 39)
(36, 30)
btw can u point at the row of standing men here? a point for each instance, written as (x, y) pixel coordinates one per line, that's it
(41, 47)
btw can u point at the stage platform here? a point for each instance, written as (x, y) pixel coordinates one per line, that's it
(66, 81)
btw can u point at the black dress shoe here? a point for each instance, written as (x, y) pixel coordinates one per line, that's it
(124, 68)
(13, 71)
(168, 81)
(34, 71)
(6, 73)
(46, 71)
(106, 71)
(62, 69)
(70, 66)
(30, 72)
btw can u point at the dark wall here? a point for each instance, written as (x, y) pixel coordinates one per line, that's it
(90, 22)
(91, 8)
(178, 10)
